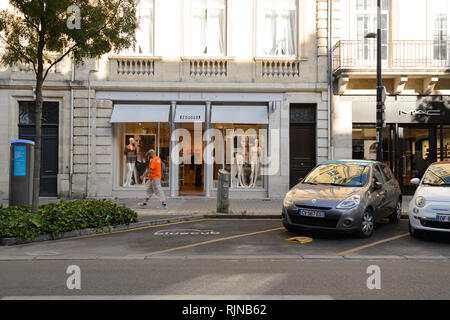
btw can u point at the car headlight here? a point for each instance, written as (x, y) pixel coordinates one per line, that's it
(350, 202)
(288, 201)
(420, 202)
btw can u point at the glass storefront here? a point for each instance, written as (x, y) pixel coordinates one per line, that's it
(242, 155)
(134, 141)
(417, 146)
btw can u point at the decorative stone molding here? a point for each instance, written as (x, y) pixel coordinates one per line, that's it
(279, 67)
(429, 83)
(399, 84)
(215, 67)
(134, 66)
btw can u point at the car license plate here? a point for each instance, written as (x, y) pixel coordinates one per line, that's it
(443, 218)
(311, 213)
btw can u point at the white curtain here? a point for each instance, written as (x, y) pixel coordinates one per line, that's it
(208, 22)
(279, 27)
(144, 35)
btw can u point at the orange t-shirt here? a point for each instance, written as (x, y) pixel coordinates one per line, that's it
(155, 165)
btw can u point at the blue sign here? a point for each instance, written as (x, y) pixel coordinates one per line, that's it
(20, 161)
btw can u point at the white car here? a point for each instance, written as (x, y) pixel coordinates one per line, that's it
(429, 209)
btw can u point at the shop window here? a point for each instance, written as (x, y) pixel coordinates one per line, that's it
(242, 155)
(364, 142)
(443, 138)
(135, 140)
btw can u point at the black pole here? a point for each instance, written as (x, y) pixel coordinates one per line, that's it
(380, 89)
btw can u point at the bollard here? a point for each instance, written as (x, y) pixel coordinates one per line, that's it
(223, 202)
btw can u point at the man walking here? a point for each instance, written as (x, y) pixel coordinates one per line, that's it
(154, 176)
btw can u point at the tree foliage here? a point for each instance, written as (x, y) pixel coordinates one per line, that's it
(106, 25)
(36, 33)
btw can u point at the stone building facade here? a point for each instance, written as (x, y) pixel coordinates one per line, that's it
(415, 63)
(253, 71)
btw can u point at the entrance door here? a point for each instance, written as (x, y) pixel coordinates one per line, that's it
(418, 146)
(191, 173)
(49, 152)
(302, 148)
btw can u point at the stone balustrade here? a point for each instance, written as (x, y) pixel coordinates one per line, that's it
(215, 67)
(280, 68)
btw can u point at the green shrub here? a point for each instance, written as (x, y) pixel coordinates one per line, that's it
(62, 216)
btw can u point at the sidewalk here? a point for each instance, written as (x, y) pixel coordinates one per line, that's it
(200, 206)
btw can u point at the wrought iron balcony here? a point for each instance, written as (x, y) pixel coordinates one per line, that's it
(397, 55)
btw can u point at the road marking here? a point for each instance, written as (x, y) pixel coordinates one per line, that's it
(162, 225)
(300, 240)
(345, 253)
(215, 240)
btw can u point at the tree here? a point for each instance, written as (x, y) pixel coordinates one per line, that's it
(32, 29)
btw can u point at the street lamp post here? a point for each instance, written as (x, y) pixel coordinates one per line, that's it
(381, 91)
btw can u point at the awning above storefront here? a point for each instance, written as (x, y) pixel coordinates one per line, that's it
(240, 114)
(140, 113)
(185, 113)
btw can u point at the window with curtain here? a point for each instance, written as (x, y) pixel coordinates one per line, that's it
(208, 27)
(439, 22)
(366, 22)
(145, 32)
(278, 22)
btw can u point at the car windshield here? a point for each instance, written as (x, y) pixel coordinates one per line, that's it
(437, 175)
(339, 174)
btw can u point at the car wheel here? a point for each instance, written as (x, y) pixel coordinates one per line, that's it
(397, 215)
(367, 224)
(415, 233)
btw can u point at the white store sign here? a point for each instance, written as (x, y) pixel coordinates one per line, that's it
(190, 114)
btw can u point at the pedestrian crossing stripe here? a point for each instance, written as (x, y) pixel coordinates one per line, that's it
(300, 240)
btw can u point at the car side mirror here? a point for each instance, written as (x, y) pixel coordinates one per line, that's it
(415, 181)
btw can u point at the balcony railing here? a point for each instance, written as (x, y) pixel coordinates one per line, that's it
(397, 54)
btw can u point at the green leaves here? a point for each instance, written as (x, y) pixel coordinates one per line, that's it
(105, 25)
(63, 216)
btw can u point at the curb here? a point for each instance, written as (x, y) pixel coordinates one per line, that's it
(306, 258)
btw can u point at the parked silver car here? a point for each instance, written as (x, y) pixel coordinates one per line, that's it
(346, 196)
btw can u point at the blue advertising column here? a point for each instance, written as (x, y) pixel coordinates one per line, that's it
(21, 172)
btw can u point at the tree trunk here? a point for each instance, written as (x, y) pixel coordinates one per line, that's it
(38, 133)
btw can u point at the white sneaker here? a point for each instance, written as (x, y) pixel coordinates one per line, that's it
(142, 204)
(163, 206)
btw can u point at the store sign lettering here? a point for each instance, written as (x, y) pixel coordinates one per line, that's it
(421, 112)
(190, 117)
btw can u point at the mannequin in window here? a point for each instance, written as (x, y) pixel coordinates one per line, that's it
(130, 155)
(240, 162)
(141, 161)
(254, 162)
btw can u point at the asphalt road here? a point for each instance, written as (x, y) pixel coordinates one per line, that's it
(225, 258)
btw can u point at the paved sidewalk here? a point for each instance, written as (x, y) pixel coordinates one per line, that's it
(201, 206)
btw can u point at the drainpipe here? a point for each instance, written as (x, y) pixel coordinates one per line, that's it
(330, 80)
(71, 128)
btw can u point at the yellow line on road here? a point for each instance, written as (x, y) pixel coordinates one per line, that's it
(215, 240)
(344, 253)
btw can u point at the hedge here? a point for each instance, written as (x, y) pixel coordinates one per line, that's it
(62, 216)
